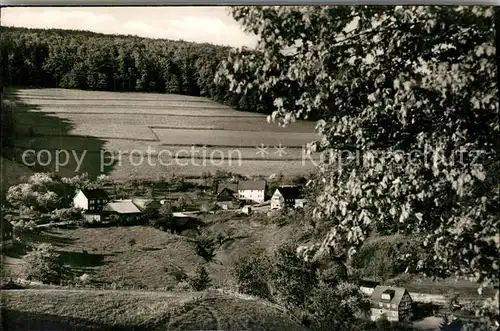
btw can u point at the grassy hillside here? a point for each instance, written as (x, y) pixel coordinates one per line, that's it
(157, 256)
(133, 310)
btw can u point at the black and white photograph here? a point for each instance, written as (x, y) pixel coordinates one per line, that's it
(249, 167)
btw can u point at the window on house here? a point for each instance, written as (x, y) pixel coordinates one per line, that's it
(380, 304)
(393, 306)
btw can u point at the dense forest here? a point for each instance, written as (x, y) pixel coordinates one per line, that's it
(92, 61)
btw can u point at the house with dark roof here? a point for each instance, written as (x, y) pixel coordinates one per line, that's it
(233, 187)
(94, 199)
(392, 302)
(228, 199)
(287, 196)
(92, 203)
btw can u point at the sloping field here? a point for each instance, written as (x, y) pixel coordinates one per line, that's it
(106, 255)
(62, 310)
(98, 123)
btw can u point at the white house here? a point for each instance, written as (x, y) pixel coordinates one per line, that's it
(250, 190)
(393, 302)
(253, 190)
(287, 196)
(92, 202)
(90, 199)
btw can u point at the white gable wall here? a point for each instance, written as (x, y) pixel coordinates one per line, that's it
(277, 200)
(254, 195)
(81, 201)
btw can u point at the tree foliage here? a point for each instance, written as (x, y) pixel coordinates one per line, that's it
(92, 61)
(408, 108)
(201, 281)
(44, 192)
(43, 264)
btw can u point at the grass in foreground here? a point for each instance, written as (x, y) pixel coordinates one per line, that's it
(133, 310)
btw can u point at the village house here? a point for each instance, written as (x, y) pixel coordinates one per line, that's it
(250, 191)
(92, 203)
(392, 302)
(94, 199)
(287, 196)
(227, 199)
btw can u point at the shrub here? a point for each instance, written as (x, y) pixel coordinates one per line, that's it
(23, 226)
(293, 278)
(379, 258)
(67, 215)
(43, 264)
(252, 276)
(201, 280)
(205, 247)
(335, 307)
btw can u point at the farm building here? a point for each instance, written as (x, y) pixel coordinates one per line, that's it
(90, 199)
(227, 199)
(122, 207)
(287, 196)
(143, 204)
(393, 302)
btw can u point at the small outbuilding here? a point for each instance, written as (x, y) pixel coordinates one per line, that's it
(246, 210)
(392, 302)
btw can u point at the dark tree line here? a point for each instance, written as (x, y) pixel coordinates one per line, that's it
(92, 61)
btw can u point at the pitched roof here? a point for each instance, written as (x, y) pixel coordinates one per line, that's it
(396, 294)
(289, 192)
(231, 186)
(122, 207)
(142, 203)
(229, 192)
(251, 185)
(95, 194)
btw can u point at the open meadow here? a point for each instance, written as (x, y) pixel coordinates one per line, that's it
(147, 136)
(60, 310)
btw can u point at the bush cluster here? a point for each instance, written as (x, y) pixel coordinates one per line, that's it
(43, 264)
